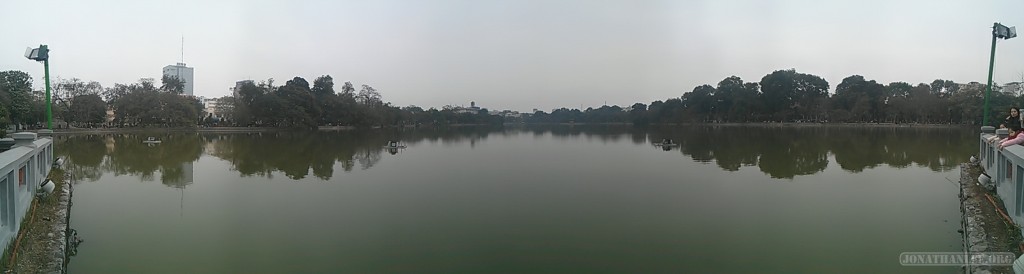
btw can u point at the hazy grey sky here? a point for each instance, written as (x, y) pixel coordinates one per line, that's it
(515, 55)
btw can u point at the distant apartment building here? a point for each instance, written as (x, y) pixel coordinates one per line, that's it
(238, 87)
(184, 73)
(472, 109)
(1015, 88)
(510, 114)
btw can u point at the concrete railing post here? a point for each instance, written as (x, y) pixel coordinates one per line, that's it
(6, 143)
(45, 133)
(1002, 133)
(23, 138)
(988, 129)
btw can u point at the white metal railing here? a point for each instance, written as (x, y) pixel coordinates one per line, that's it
(23, 168)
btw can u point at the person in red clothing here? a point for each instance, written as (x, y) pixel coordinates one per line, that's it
(1013, 134)
(1015, 137)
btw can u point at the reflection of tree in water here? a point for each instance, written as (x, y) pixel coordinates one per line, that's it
(173, 157)
(603, 133)
(788, 152)
(89, 156)
(785, 152)
(780, 152)
(696, 142)
(83, 155)
(939, 149)
(295, 153)
(368, 158)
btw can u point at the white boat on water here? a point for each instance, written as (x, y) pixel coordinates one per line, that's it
(151, 140)
(666, 143)
(394, 145)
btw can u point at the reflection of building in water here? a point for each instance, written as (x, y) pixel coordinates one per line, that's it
(109, 144)
(211, 146)
(178, 178)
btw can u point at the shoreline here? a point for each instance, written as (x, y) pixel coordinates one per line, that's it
(795, 124)
(178, 129)
(983, 228)
(347, 128)
(759, 124)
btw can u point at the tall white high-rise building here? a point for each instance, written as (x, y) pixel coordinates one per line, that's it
(184, 73)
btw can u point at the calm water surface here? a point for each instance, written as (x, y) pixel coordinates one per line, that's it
(535, 199)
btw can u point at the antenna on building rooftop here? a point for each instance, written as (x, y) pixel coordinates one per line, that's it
(183, 48)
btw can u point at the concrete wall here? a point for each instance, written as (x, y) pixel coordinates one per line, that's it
(22, 169)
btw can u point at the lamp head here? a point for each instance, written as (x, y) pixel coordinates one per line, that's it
(38, 54)
(1004, 32)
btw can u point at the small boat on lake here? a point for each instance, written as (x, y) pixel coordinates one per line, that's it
(151, 140)
(666, 143)
(394, 145)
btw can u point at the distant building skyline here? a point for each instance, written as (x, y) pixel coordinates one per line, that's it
(238, 86)
(184, 73)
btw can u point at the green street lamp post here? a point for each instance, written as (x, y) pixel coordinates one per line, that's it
(42, 54)
(998, 31)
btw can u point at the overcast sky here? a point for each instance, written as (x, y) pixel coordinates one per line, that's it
(516, 55)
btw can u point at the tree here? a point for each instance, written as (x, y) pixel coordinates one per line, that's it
(347, 89)
(226, 108)
(725, 98)
(786, 93)
(638, 114)
(5, 120)
(778, 92)
(113, 93)
(736, 100)
(66, 89)
(87, 109)
(16, 96)
(924, 103)
(172, 84)
(967, 103)
(368, 96)
(301, 108)
(944, 88)
(809, 96)
(699, 103)
(323, 86)
(863, 99)
(895, 101)
(142, 104)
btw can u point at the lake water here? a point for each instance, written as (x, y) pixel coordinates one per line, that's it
(535, 199)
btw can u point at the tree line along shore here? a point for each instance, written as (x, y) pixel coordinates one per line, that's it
(782, 97)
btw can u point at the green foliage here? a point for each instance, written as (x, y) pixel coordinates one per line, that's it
(142, 104)
(16, 96)
(323, 86)
(172, 84)
(5, 120)
(780, 96)
(87, 109)
(789, 96)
